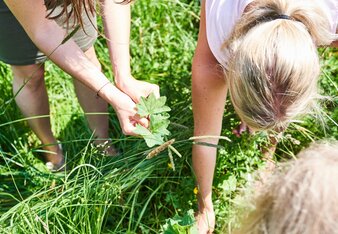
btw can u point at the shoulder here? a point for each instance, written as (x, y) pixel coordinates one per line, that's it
(221, 17)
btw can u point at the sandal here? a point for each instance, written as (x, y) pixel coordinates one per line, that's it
(59, 167)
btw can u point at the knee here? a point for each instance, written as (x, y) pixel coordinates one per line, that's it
(31, 76)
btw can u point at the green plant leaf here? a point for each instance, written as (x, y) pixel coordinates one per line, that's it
(150, 138)
(156, 110)
(152, 105)
(229, 185)
(181, 225)
(159, 124)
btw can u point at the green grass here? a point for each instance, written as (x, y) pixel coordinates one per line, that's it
(129, 194)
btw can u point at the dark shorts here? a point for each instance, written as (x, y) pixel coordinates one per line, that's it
(16, 48)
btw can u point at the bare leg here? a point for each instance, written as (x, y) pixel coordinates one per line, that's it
(90, 104)
(98, 123)
(33, 101)
(208, 98)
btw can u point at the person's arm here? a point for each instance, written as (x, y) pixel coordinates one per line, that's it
(116, 20)
(209, 91)
(47, 36)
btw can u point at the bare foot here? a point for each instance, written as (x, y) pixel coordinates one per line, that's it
(205, 221)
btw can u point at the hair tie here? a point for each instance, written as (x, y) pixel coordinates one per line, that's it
(283, 17)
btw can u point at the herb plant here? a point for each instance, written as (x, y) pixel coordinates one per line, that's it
(157, 112)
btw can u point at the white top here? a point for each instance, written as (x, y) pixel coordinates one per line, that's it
(331, 6)
(222, 15)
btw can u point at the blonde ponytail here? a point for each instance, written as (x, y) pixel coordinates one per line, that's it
(274, 68)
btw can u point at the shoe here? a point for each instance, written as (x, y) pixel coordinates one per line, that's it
(60, 167)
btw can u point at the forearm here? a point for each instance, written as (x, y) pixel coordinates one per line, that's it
(208, 99)
(72, 60)
(48, 36)
(69, 57)
(116, 21)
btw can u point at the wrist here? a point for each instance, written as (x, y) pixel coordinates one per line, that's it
(123, 79)
(111, 94)
(121, 72)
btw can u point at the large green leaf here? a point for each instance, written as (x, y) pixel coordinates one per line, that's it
(156, 110)
(150, 138)
(152, 105)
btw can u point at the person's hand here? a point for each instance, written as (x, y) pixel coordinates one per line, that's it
(127, 115)
(242, 127)
(205, 221)
(124, 107)
(136, 89)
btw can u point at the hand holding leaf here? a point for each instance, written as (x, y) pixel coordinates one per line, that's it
(156, 111)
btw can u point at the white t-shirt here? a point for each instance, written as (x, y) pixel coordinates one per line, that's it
(222, 15)
(331, 7)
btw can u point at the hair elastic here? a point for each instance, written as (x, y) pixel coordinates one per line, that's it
(283, 17)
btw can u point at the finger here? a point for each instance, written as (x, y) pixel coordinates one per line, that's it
(238, 131)
(156, 91)
(235, 132)
(144, 122)
(129, 127)
(137, 99)
(242, 128)
(129, 130)
(141, 120)
(251, 131)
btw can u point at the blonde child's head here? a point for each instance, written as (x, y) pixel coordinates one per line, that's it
(301, 197)
(274, 65)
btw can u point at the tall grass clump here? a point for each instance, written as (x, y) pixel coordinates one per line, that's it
(129, 193)
(100, 194)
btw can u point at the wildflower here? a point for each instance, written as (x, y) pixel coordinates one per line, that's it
(196, 190)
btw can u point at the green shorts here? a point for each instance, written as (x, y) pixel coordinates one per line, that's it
(16, 48)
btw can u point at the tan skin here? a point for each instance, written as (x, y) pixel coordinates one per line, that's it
(206, 76)
(84, 67)
(33, 101)
(209, 87)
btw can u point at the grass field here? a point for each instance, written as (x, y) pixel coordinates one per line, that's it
(128, 193)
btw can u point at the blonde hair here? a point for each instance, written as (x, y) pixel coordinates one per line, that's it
(274, 66)
(302, 196)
